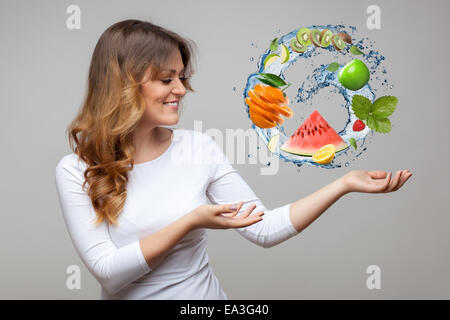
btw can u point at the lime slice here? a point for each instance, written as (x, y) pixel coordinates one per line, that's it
(273, 142)
(325, 154)
(284, 53)
(270, 59)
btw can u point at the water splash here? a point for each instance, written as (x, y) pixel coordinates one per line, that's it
(313, 83)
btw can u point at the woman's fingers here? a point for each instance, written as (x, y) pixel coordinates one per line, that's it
(247, 211)
(405, 176)
(228, 209)
(240, 223)
(394, 182)
(389, 185)
(377, 174)
(238, 209)
(385, 183)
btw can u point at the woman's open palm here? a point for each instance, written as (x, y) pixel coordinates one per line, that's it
(224, 216)
(375, 181)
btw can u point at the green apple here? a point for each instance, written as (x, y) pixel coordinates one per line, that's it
(354, 75)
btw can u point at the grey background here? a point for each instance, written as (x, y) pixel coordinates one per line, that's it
(43, 78)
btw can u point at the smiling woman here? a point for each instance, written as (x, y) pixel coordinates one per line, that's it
(127, 90)
(163, 95)
(140, 225)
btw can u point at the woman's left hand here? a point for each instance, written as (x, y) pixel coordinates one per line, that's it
(374, 181)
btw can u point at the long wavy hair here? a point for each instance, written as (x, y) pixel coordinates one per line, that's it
(128, 54)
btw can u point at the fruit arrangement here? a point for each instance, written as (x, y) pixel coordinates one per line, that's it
(305, 37)
(315, 138)
(312, 135)
(267, 105)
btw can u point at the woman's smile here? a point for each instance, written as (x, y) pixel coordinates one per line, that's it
(171, 104)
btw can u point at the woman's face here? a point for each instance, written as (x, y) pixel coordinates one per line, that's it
(163, 94)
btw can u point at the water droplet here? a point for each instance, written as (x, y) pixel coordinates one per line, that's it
(252, 44)
(251, 59)
(346, 164)
(391, 86)
(268, 164)
(250, 155)
(234, 88)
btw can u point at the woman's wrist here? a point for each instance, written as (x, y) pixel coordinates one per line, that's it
(343, 186)
(191, 220)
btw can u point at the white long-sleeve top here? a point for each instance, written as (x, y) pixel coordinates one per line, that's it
(192, 170)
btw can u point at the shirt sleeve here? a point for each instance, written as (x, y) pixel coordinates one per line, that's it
(227, 186)
(114, 268)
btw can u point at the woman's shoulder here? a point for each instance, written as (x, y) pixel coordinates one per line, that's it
(70, 164)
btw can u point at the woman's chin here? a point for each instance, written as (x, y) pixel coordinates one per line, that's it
(172, 120)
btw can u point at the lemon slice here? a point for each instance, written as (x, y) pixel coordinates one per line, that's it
(325, 154)
(273, 142)
(270, 59)
(284, 53)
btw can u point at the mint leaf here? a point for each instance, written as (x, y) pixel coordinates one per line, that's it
(333, 67)
(372, 123)
(383, 107)
(273, 78)
(274, 44)
(361, 106)
(352, 142)
(383, 125)
(355, 50)
(270, 83)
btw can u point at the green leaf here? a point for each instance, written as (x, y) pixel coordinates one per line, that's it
(333, 67)
(383, 107)
(361, 106)
(352, 142)
(274, 44)
(273, 78)
(355, 50)
(379, 125)
(383, 125)
(270, 83)
(372, 123)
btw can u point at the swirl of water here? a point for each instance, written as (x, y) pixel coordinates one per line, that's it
(319, 79)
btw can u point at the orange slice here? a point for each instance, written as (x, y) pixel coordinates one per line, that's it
(263, 103)
(264, 113)
(276, 93)
(275, 108)
(260, 121)
(286, 111)
(259, 89)
(271, 94)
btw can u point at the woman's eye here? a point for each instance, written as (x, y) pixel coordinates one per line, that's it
(167, 81)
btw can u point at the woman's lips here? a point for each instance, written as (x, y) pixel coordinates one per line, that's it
(171, 105)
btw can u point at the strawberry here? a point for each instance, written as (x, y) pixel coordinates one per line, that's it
(358, 125)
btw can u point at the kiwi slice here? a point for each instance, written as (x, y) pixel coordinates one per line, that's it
(297, 46)
(345, 37)
(337, 42)
(303, 37)
(325, 38)
(314, 36)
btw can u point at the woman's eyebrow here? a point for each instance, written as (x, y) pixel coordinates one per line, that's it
(172, 71)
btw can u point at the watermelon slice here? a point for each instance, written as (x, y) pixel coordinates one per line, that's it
(314, 133)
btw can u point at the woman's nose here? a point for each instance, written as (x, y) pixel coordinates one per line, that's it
(179, 89)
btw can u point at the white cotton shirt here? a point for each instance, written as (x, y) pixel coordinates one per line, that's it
(190, 172)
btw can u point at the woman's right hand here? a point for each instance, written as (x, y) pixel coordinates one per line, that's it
(224, 216)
